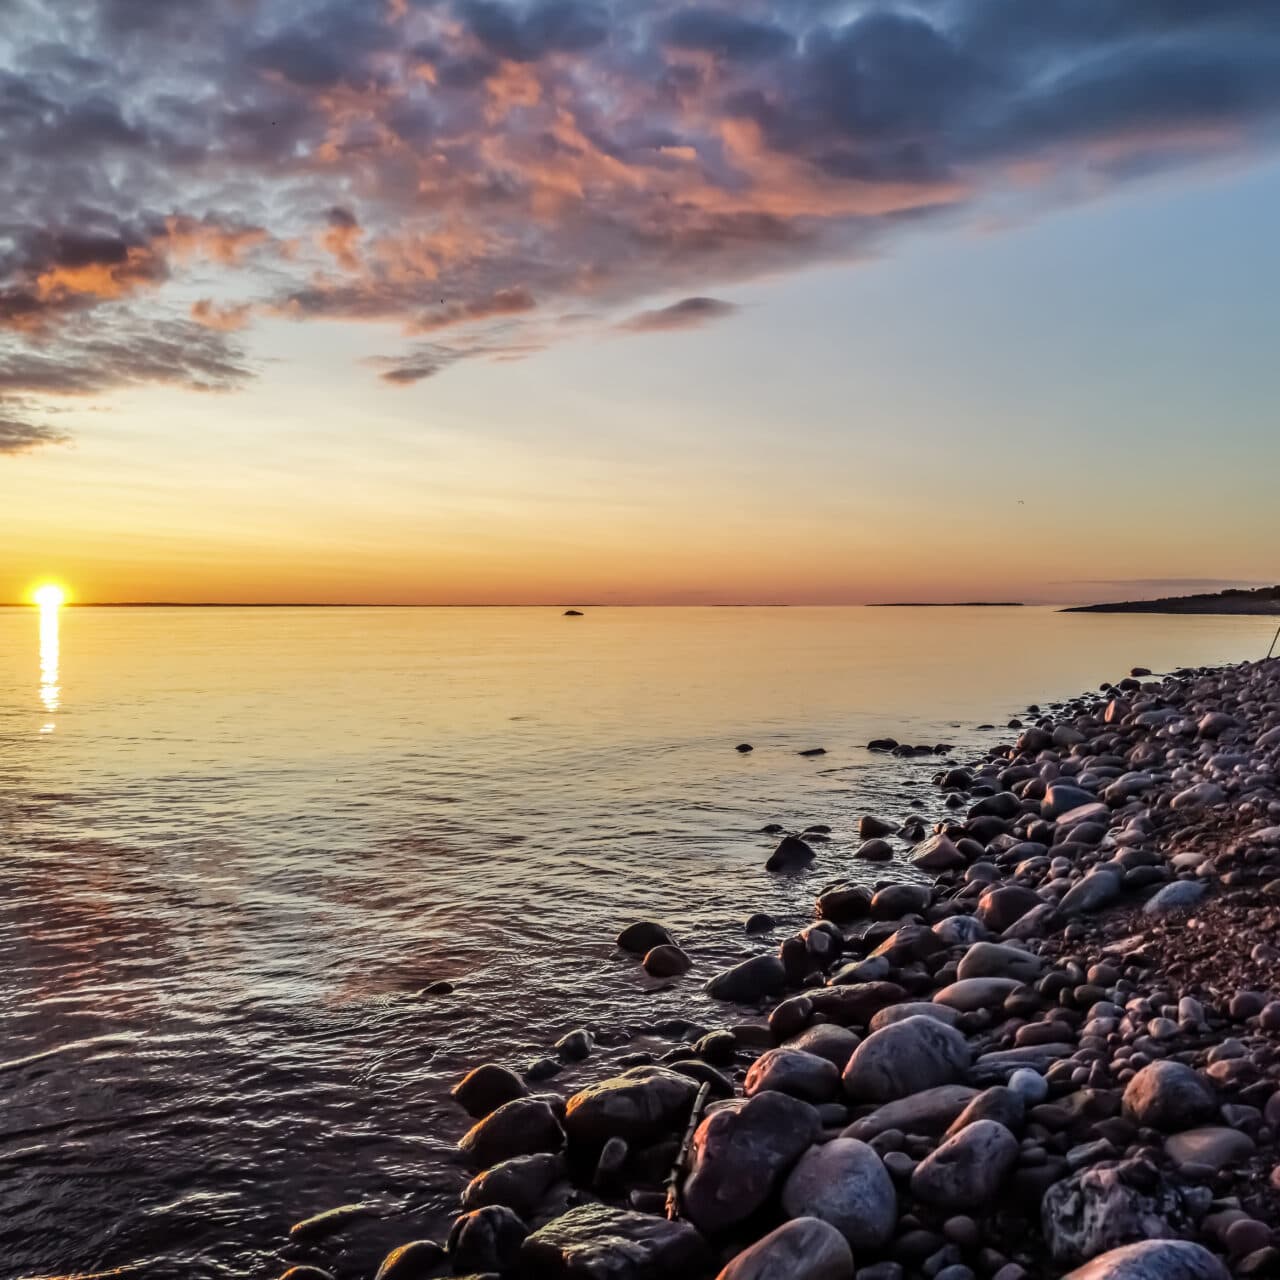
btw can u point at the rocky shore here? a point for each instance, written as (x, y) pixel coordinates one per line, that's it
(1053, 1050)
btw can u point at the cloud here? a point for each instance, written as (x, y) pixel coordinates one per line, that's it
(473, 170)
(689, 313)
(22, 437)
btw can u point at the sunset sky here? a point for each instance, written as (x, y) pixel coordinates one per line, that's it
(471, 301)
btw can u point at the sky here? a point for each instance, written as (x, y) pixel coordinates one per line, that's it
(562, 301)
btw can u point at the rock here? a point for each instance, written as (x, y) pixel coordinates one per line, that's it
(844, 1183)
(905, 1058)
(896, 900)
(928, 1112)
(877, 850)
(759, 922)
(914, 1009)
(744, 748)
(1154, 1260)
(967, 1171)
(666, 961)
(740, 1153)
(871, 827)
(520, 1183)
(1098, 889)
(1031, 1086)
(307, 1273)
(413, 1261)
(1202, 795)
(642, 937)
(835, 1044)
(485, 1239)
(791, 854)
(1169, 1096)
(521, 1127)
(1061, 798)
(795, 1072)
(1177, 896)
(332, 1220)
(486, 1088)
(749, 981)
(1096, 1210)
(999, 960)
(957, 931)
(855, 1005)
(999, 908)
(970, 994)
(802, 1249)
(938, 854)
(998, 1103)
(576, 1046)
(996, 1068)
(597, 1242)
(1210, 1148)
(843, 903)
(640, 1105)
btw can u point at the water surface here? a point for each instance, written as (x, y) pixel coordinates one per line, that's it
(237, 842)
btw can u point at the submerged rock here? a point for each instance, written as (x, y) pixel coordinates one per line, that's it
(486, 1088)
(749, 980)
(643, 936)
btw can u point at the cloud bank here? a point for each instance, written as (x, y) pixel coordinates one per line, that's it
(483, 177)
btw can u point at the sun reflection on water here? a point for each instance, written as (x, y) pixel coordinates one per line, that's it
(50, 601)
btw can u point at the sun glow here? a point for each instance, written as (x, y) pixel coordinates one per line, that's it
(49, 596)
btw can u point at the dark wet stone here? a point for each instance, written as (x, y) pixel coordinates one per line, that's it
(760, 922)
(332, 1220)
(641, 1105)
(485, 1239)
(666, 962)
(749, 981)
(791, 854)
(597, 1242)
(521, 1127)
(416, 1260)
(576, 1046)
(643, 936)
(519, 1183)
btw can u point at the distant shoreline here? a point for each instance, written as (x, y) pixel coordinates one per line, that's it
(948, 604)
(1263, 602)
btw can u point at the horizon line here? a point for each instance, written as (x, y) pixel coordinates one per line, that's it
(348, 604)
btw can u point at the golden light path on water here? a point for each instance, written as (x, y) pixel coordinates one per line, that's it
(49, 599)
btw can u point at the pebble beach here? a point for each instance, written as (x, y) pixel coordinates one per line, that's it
(1046, 1043)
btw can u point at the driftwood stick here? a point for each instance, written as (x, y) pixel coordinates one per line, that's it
(682, 1156)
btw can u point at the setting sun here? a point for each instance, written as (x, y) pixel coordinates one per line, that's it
(49, 596)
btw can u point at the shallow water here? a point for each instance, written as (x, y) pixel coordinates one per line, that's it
(237, 842)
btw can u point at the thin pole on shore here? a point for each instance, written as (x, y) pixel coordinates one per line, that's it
(1273, 643)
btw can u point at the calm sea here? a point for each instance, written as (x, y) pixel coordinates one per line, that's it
(237, 842)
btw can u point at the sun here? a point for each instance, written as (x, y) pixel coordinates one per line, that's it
(49, 596)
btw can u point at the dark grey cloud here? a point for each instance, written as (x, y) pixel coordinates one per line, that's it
(473, 170)
(688, 313)
(22, 437)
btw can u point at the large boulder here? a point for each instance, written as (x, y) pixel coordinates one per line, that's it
(856, 1005)
(802, 1249)
(1098, 889)
(967, 1171)
(904, 1058)
(486, 1239)
(740, 1153)
(938, 853)
(749, 981)
(826, 1040)
(1154, 1260)
(640, 1105)
(791, 854)
(520, 1127)
(1096, 1210)
(802, 1075)
(1169, 1096)
(844, 1183)
(597, 1242)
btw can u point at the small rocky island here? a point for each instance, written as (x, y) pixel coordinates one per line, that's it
(1261, 600)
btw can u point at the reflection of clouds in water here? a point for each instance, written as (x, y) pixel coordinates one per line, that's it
(50, 690)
